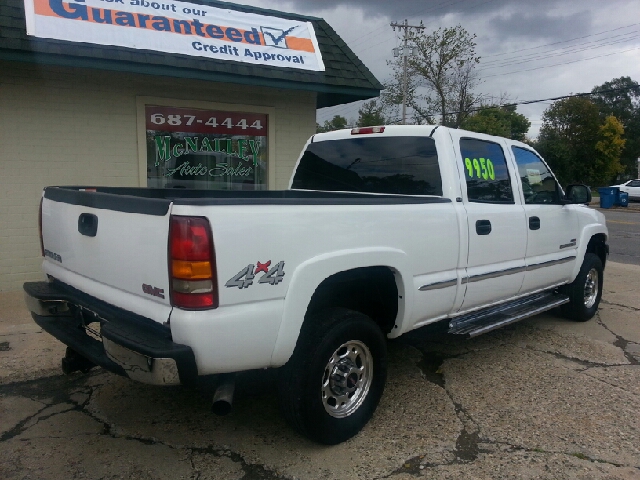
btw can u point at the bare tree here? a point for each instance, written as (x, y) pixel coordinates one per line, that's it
(442, 77)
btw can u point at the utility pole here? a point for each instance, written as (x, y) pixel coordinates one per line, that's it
(405, 52)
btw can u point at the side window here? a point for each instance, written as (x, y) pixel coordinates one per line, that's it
(538, 184)
(634, 183)
(486, 172)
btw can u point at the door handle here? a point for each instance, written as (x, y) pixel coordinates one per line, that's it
(483, 227)
(88, 224)
(534, 223)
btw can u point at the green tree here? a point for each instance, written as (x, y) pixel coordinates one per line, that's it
(578, 144)
(501, 121)
(608, 148)
(568, 137)
(371, 114)
(621, 98)
(441, 78)
(336, 123)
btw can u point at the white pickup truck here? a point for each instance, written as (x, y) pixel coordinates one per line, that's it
(383, 230)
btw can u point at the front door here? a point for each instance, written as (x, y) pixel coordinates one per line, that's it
(552, 228)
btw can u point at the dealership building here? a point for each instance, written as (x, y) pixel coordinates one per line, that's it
(168, 94)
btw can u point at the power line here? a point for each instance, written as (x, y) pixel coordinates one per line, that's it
(562, 41)
(460, 1)
(552, 99)
(603, 41)
(360, 40)
(529, 102)
(559, 64)
(544, 55)
(533, 56)
(584, 94)
(570, 49)
(343, 108)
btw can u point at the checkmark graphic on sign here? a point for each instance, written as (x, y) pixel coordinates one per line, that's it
(274, 37)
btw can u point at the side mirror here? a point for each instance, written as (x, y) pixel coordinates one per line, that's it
(578, 193)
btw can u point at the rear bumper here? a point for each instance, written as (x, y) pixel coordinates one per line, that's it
(126, 344)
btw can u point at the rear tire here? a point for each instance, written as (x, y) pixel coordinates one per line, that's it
(586, 290)
(333, 382)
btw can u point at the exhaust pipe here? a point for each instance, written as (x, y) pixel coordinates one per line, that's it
(223, 397)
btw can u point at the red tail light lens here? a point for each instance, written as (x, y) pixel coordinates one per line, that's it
(192, 267)
(190, 238)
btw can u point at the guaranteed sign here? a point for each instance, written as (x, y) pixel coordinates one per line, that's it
(178, 27)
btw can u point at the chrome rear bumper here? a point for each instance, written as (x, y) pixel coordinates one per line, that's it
(125, 343)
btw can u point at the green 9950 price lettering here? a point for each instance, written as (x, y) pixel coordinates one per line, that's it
(480, 168)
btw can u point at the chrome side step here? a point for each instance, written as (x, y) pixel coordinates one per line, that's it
(477, 323)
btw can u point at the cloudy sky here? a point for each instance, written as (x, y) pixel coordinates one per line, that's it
(530, 49)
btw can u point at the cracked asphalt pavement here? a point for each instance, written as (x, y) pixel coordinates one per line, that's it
(545, 398)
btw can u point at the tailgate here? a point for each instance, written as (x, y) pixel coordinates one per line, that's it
(111, 246)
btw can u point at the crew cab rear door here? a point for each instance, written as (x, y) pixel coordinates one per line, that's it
(110, 246)
(495, 220)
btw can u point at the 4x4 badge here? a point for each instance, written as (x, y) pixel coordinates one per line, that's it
(244, 278)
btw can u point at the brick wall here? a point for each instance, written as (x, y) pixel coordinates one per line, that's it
(65, 126)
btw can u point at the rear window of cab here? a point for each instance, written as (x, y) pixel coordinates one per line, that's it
(390, 165)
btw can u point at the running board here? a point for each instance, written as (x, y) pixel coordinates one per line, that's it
(484, 321)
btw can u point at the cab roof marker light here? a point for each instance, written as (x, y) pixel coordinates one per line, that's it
(366, 130)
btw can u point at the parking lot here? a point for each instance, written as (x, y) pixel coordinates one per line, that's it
(546, 398)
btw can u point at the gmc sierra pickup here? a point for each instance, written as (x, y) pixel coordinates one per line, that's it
(383, 230)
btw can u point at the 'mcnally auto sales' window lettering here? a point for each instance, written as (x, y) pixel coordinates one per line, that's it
(178, 27)
(206, 149)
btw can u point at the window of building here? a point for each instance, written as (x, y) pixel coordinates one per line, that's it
(206, 149)
(392, 165)
(486, 172)
(538, 184)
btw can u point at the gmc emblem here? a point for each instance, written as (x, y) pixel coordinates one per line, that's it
(154, 291)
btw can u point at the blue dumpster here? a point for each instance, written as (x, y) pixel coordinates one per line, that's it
(608, 196)
(623, 199)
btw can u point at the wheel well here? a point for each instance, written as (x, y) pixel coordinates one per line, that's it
(370, 290)
(598, 245)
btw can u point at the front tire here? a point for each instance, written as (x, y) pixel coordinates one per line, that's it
(333, 382)
(586, 290)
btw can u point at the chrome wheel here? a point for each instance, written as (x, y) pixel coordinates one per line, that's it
(591, 288)
(335, 378)
(347, 378)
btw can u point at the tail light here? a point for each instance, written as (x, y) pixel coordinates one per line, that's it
(40, 227)
(192, 266)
